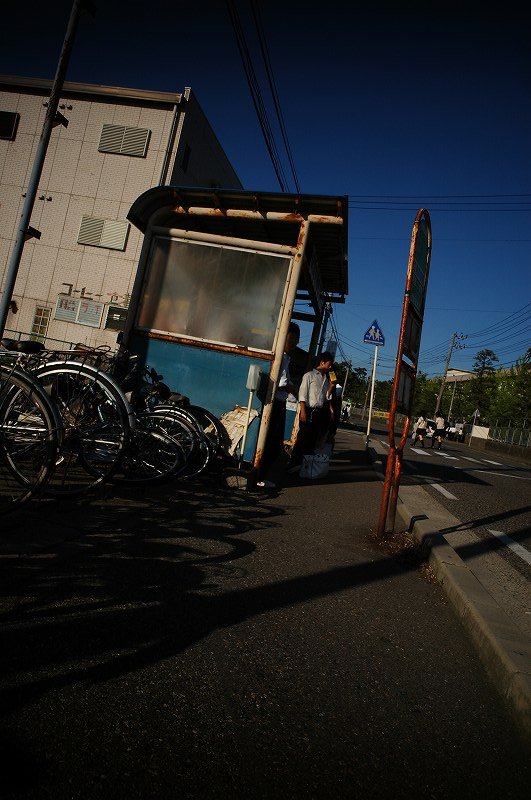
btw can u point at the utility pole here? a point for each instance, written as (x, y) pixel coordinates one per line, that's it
(452, 401)
(349, 367)
(326, 315)
(448, 357)
(53, 117)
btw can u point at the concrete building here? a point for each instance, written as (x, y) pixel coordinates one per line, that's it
(74, 283)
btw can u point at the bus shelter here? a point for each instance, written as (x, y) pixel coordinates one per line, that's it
(217, 280)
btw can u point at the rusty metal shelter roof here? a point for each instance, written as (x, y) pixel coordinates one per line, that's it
(258, 216)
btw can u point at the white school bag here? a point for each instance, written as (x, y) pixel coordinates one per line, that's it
(316, 465)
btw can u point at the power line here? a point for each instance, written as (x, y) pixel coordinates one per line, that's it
(273, 89)
(458, 209)
(431, 196)
(351, 202)
(256, 94)
(503, 321)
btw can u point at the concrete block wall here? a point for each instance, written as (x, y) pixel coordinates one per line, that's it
(79, 180)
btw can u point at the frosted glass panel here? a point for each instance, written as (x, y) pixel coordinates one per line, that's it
(216, 293)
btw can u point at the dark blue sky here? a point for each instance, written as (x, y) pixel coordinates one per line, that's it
(399, 106)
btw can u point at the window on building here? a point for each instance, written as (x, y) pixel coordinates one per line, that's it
(221, 294)
(41, 321)
(82, 310)
(124, 140)
(8, 124)
(97, 232)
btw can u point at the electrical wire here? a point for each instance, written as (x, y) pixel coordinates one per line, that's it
(256, 94)
(523, 310)
(273, 89)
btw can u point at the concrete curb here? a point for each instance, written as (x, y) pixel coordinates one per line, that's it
(502, 647)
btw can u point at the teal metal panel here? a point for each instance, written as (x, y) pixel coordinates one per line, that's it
(213, 379)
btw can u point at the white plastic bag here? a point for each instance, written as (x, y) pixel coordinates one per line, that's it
(315, 466)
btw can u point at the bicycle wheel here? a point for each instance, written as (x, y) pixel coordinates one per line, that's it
(29, 438)
(170, 425)
(97, 424)
(151, 457)
(212, 427)
(183, 426)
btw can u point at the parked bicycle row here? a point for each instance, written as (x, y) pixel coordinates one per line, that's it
(71, 421)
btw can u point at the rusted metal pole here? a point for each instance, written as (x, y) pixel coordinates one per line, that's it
(232, 241)
(287, 310)
(394, 456)
(391, 515)
(388, 481)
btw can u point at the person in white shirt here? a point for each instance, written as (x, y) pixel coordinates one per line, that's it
(277, 422)
(314, 409)
(420, 428)
(439, 432)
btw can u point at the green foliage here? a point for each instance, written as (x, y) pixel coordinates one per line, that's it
(483, 386)
(382, 395)
(425, 395)
(356, 384)
(500, 396)
(511, 400)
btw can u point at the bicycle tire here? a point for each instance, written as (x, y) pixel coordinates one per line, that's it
(97, 424)
(199, 453)
(172, 426)
(212, 428)
(152, 457)
(29, 438)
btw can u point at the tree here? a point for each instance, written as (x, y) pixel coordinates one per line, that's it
(382, 395)
(512, 397)
(484, 363)
(483, 386)
(356, 384)
(425, 393)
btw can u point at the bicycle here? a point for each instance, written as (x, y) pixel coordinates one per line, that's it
(30, 436)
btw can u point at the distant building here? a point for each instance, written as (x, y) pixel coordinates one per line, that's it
(74, 283)
(459, 375)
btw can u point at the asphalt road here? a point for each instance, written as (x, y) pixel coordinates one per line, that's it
(488, 499)
(481, 484)
(194, 642)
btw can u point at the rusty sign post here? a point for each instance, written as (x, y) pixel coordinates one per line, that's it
(406, 362)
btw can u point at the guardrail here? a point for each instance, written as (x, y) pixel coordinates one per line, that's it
(521, 437)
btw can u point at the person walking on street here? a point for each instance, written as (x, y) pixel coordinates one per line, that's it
(336, 399)
(314, 409)
(440, 426)
(414, 432)
(421, 428)
(274, 444)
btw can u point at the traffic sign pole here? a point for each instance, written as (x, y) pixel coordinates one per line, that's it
(372, 396)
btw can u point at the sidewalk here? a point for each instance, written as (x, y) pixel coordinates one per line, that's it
(194, 642)
(486, 609)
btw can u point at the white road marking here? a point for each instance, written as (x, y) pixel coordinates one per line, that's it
(516, 548)
(420, 452)
(445, 455)
(496, 463)
(475, 460)
(440, 488)
(501, 474)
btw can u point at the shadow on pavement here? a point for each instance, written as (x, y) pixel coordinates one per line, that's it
(128, 582)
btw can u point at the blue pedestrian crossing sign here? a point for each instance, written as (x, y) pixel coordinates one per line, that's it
(374, 335)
